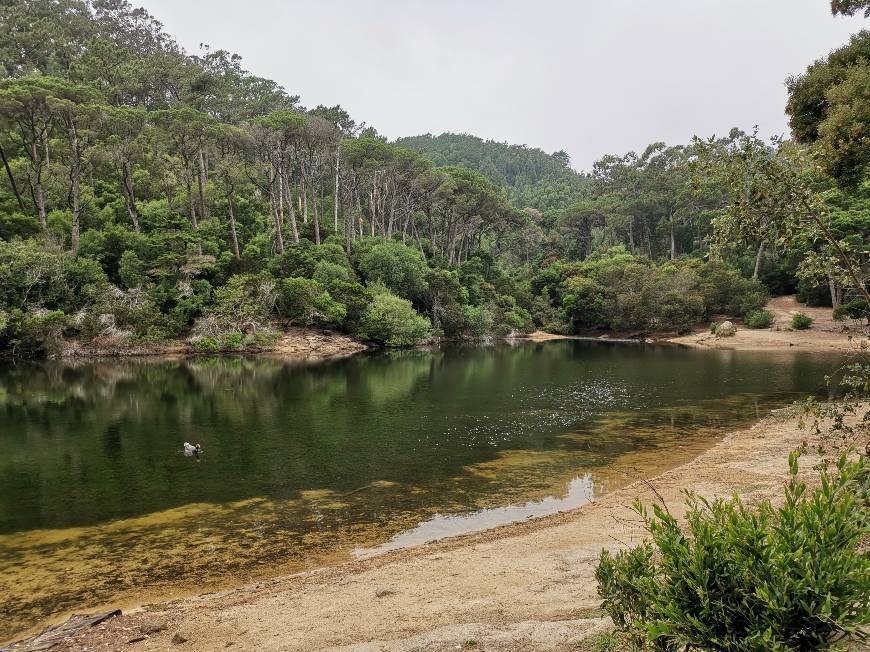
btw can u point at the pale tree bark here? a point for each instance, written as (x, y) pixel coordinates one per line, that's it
(37, 165)
(758, 257)
(75, 175)
(202, 178)
(233, 232)
(836, 292)
(336, 196)
(294, 226)
(316, 216)
(129, 197)
(273, 200)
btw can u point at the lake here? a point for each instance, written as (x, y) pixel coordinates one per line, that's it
(307, 464)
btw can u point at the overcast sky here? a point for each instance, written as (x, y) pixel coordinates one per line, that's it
(586, 76)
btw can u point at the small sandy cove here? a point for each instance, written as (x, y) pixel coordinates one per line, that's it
(528, 586)
(824, 335)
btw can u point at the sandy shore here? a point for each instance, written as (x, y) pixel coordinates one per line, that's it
(526, 586)
(824, 335)
(298, 343)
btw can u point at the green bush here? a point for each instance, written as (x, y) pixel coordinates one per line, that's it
(305, 302)
(131, 270)
(478, 320)
(854, 309)
(801, 322)
(392, 321)
(399, 267)
(741, 578)
(759, 318)
(38, 332)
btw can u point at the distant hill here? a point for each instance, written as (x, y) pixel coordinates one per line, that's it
(532, 177)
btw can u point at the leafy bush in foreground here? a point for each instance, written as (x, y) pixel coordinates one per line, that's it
(801, 322)
(759, 319)
(392, 321)
(787, 578)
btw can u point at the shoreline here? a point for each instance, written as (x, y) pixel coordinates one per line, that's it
(528, 584)
(825, 335)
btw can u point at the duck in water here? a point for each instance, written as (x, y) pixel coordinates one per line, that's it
(192, 449)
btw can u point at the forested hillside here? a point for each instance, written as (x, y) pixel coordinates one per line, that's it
(150, 195)
(533, 178)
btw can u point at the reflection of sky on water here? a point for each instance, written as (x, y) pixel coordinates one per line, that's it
(580, 492)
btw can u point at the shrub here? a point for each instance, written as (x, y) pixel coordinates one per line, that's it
(759, 318)
(244, 304)
(800, 321)
(131, 270)
(397, 266)
(326, 273)
(585, 301)
(39, 331)
(854, 309)
(305, 302)
(392, 321)
(478, 320)
(786, 578)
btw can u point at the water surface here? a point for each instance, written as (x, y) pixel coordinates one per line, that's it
(309, 463)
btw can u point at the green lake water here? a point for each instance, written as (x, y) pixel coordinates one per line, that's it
(307, 464)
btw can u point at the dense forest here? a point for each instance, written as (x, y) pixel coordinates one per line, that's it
(532, 178)
(150, 195)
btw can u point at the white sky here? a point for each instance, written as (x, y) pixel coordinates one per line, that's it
(586, 76)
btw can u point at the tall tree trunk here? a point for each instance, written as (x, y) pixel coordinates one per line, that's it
(274, 192)
(836, 292)
(191, 205)
(304, 191)
(39, 200)
(336, 196)
(37, 165)
(673, 240)
(294, 226)
(201, 181)
(233, 233)
(75, 175)
(12, 180)
(316, 216)
(129, 197)
(758, 257)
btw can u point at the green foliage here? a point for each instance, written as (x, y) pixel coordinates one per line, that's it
(828, 105)
(478, 320)
(800, 321)
(444, 300)
(726, 292)
(400, 268)
(245, 304)
(38, 331)
(614, 289)
(160, 195)
(131, 270)
(392, 321)
(532, 177)
(305, 302)
(586, 302)
(759, 318)
(749, 578)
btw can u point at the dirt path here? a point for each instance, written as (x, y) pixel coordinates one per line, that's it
(528, 586)
(824, 335)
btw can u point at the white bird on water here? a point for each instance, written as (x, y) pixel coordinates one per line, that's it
(192, 449)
